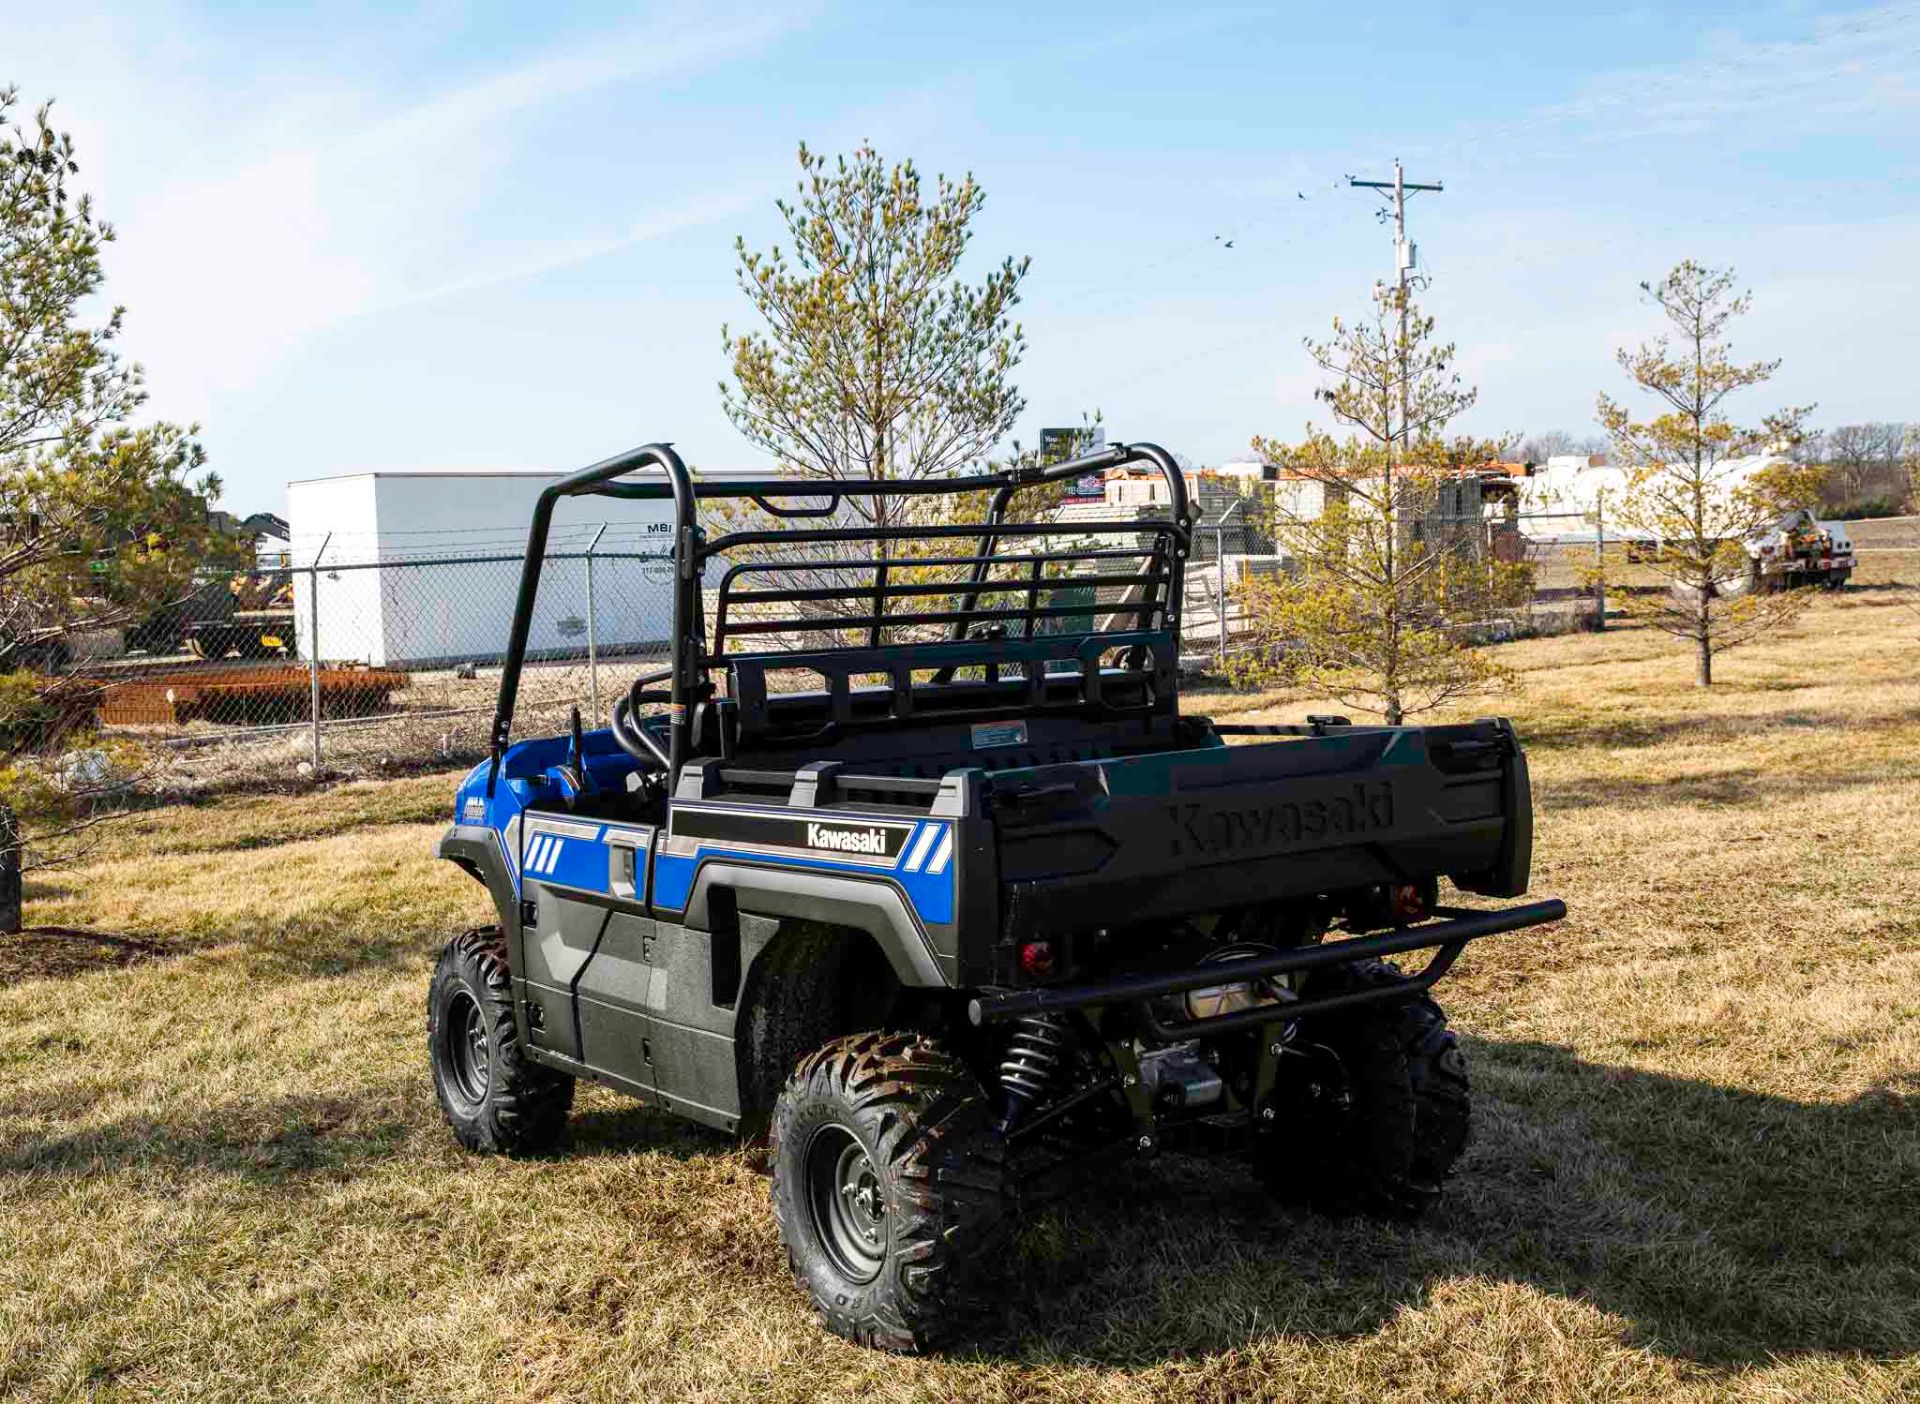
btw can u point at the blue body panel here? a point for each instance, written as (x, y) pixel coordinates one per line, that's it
(567, 860)
(924, 869)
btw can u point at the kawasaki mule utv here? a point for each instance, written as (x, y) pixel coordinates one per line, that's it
(920, 868)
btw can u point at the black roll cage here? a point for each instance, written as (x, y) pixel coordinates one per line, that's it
(688, 656)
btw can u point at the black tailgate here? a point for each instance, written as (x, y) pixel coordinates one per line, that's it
(1103, 843)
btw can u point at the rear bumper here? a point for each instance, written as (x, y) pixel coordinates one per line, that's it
(1446, 938)
(1801, 565)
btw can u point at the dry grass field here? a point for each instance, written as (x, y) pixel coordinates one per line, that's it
(1696, 1170)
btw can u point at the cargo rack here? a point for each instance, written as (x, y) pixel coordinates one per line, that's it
(985, 646)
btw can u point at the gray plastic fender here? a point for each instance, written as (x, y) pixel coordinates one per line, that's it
(872, 907)
(476, 848)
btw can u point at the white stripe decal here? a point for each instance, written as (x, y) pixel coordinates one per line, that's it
(553, 856)
(942, 854)
(537, 863)
(567, 827)
(919, 853)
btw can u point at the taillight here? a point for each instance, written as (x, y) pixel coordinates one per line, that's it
(1036, 959)
(1409, 902)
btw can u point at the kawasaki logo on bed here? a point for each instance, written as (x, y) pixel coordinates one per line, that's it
(1210, 828)
(871, 839)
(846, 840)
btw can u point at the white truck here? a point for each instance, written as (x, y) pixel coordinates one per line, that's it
(1799, 549)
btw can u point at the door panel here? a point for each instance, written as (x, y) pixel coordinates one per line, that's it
(578, 877)
(625, 994)
(692, 1037)
(615, 1032)
(555, 949)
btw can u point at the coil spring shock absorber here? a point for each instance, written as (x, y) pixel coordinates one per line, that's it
(1035, 1052)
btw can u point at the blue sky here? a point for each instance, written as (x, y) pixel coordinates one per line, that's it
(451, 236)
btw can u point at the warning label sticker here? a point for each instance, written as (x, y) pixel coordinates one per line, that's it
(987, 735)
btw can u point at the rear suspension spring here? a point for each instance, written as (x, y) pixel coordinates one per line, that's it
(1036, 1051)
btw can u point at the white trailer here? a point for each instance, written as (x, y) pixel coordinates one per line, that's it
(1563, 503)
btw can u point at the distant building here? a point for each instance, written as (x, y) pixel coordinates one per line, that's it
(449, 546)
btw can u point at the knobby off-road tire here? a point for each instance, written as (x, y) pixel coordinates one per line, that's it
(1377, 1128)
(889, 1185)
(494, 1097)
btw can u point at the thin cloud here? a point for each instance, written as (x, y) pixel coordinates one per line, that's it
(567, 253)
(230, 271)
(653, 49)
(1849, 74)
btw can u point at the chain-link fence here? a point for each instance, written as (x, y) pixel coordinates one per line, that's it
(355, 666)
(1228, 552)
(351, 666)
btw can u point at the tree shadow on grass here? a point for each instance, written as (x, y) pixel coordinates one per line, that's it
(283, 1137)
(1581, 732)
(55, 952)
(267, 1139)
(289, 950)
(1723, 1226)
(1740, 786)
(37, 888)
(308, 949)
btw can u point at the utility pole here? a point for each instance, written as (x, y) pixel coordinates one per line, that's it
(1403, 257)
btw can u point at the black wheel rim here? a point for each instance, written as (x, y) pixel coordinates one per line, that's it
(846, 1202)
(469, 1059)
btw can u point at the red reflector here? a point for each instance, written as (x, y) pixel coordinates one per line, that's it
(1409, 902)
(1036, 958)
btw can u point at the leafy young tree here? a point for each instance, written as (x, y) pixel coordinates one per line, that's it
(876, 359)
(1389, 572)
(99, 519)
(1691, 484)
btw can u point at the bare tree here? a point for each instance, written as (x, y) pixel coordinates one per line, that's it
(1869, 466)
(1553, 443)
(1692, 485)
(1387, 578)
